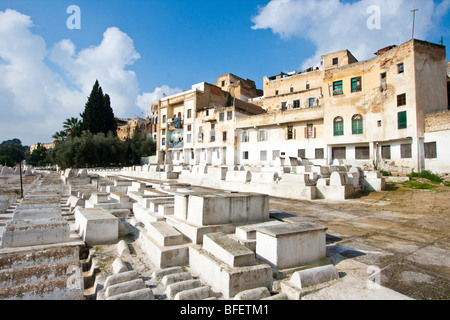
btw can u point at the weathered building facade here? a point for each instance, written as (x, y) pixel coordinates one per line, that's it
(370, 113)
(198, 125)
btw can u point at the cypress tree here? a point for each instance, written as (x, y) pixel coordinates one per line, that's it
(98, 116)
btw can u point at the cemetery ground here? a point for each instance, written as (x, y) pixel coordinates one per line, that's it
(402, 231)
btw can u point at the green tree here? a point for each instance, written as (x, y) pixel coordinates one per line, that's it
(139, 146)
(98, 115)
(39, 156)
(72, 127)
(12, 151)
(59, 137)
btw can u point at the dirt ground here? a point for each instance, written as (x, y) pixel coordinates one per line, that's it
(404, 232)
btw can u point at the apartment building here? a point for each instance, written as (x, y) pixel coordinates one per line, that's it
(369, 113)
(197, 126)
(148, 127)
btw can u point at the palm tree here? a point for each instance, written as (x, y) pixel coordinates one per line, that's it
(72, 127)
(60, 136)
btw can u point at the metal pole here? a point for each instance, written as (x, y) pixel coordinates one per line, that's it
(414, 20)
(21, 183)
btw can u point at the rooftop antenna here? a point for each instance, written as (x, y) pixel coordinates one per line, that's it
(414, 20)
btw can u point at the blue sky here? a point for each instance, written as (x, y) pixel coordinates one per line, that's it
(141, 49)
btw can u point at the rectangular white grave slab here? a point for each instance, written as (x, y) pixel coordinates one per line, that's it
(96, 225)
(225, 208)
(164, 234)
(22, 233)
(119, 196)
(227, 250)
(248, 232)
(291, 245)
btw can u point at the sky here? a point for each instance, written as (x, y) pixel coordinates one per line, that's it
(53, 51)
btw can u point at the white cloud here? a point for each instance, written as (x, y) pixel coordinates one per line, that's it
(32, 96)
(332, 25)
(35, 99)
(145, 100)
(106, 63)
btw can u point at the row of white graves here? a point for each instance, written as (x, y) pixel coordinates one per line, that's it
(288, 178)
(227, 242)
(39, 256)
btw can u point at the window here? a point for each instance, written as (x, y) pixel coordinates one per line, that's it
(244, 136)
(189, 113)
(189, 138)
(357, 124)
(386, 152)
(356, 84)
(311, 102)
(163, 141)
(262, 135)
(224, 136)
(402, 120)
(189, 128)
(401, 67)
(275, 154)
(401, 100)
(296, 104)
(337, 88)
(307, 86)
(319, 153)
(245, 155)
(379, 123)
(430, 150)
(405, 151)
(301, 153)
(362, 153)
(263, 156)
(213, 126)
(383, 78)
(339, 153)
(283, 106)
(338, 126)
(222, 117)
(290, 132)
(310, 132)
(292, 89)
(230, 115)
(164, 119)
(212, 137)
(163, 132)
(335, 61)
(200, 134)
(276, 92)
(223, 83)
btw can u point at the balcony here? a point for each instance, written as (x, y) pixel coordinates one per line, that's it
(175, 123)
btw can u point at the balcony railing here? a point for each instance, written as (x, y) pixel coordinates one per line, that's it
(175, 123)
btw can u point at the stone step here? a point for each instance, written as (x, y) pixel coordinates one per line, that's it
(27, 275)
(28, 257)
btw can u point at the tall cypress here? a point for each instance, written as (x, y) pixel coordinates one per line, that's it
(98, 115)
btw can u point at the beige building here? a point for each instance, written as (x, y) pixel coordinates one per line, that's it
(370, 113)
(198, 125)
(45, 145)
(148, 127)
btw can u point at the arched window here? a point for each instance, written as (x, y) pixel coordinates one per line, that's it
(338, 126)
(357, 124)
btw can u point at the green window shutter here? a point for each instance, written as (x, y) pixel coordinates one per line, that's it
(357, 125)
(338, 128)
(402, 120)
